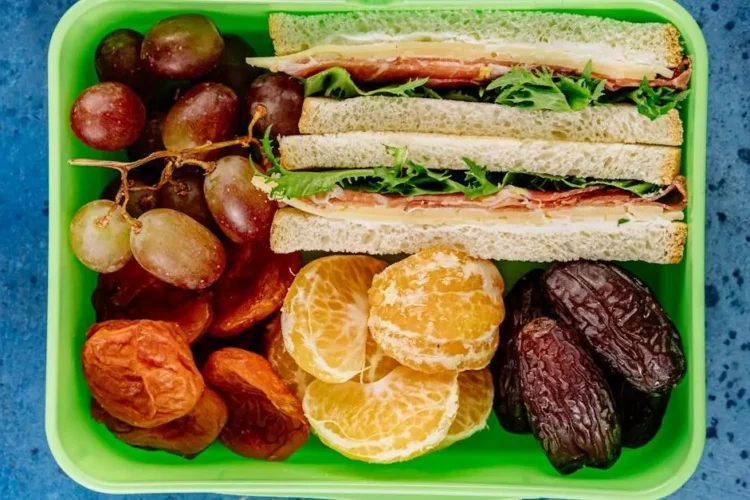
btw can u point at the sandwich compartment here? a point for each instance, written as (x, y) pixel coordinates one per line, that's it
(493, 463)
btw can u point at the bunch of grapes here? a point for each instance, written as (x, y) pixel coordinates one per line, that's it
(184, 104)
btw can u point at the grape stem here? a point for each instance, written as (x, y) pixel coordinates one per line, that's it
(175, 160)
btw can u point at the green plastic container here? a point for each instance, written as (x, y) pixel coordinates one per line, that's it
(491, 464)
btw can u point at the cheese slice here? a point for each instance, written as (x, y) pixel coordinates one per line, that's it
(544, 54)
(435, 216)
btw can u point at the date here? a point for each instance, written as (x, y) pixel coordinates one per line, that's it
(524, 303)
(640, 413)
(620, 320)
(570, 406)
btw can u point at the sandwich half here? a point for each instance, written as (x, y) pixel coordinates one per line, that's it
(527, 60)
(513, 135)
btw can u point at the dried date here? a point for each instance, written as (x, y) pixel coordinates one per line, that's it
(571, 410)
(141, 371)
(620, 320)
(640, 413)
(186, 436)
(265, 419)
(524, 303)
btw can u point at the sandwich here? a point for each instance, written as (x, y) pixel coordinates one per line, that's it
(513, 135)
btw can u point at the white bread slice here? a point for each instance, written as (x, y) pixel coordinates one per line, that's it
(656, 241)
(615, 124)
(655, 164)
(596, 37)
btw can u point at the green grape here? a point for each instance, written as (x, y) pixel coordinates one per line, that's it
(101, 246)
(175, 248)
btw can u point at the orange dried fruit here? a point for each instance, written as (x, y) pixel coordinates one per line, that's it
(324, 317)
(186, 436)
(265, 418)
(401, 416)
(283, 364)
(252, 289)
(141, 371)
(134, 293)
(475, 394)
(438, 310)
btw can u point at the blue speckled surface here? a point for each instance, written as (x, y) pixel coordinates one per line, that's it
(27, 469)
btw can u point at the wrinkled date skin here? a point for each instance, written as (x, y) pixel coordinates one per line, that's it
(621, 321)
(252, 288)
(134, 293)
(524, 303)
(640, 413)
(186, 436)
(141, 371)
(265, 419)
(570, 407)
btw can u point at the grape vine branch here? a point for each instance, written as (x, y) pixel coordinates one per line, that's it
(175, 160)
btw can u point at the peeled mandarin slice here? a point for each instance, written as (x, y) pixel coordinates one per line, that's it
(438, 310)
(282, 363)
(475, 393)
(377, 363)
(401, 416)
(324, 317)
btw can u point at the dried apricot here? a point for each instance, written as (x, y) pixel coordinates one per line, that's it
(141, 371)
(186, 436)
(253, 288)
(134, 293)
(265, 418)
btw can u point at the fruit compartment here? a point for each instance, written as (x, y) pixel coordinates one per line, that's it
(492, 463)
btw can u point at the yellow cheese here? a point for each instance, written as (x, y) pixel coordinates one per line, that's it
(542, 54)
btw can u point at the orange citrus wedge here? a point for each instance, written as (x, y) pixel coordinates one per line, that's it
(324, 316)
(282, 363)
(475, 393)
(438, 310)
(401, 416)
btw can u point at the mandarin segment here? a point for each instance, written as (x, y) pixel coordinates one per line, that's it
(283, 364)
(401, 416)
(438, 310)
(324, 316)
(475, 394)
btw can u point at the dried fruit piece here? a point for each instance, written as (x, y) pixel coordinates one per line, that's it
(621, 321)
(324, 318)
(134, 293)
(186, 436)
(265, 418)
(524, 303)
(401, 416)
(249, 340)
(141, 371)
(438, 310)
(252, 289)
(571, 410)
(640, 413)
(283, 364)
(475, 392)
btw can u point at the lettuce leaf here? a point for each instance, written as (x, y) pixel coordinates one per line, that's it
(338, 83)
(407, 178)
(537, 89)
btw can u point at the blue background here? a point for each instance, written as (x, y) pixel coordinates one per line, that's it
(27, 470)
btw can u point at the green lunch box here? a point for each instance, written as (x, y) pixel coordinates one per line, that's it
(493, 463)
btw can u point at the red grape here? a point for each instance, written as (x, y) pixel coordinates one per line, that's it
(140, 201)
(118, 59)
(243, 212)
(150, 139)
(186, 195)
(108, 116)
(182, 47)
(282, 97)
(177, 249)
(102, 247)
(207, 112)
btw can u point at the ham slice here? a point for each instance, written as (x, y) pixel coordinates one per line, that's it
(453, 72)
(670, 198)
